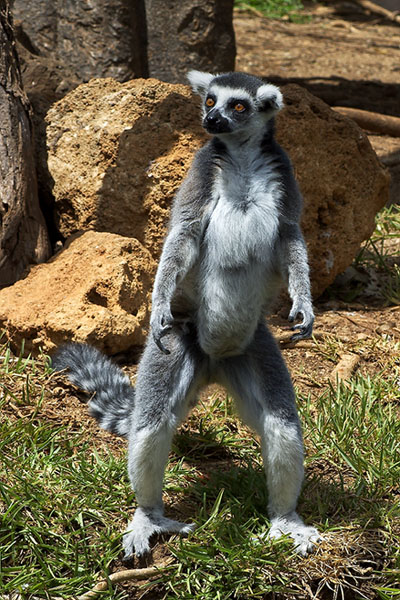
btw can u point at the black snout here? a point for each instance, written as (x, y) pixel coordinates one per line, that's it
(214, 122)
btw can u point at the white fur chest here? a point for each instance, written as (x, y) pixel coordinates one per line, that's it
(244, 221)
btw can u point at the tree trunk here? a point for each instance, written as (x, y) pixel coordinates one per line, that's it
(195, 34)
(101, 38)
(23, 234)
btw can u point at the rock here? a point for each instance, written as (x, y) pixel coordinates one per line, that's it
(195, 34)
(342, 181)
(117, 153)
(96, 290)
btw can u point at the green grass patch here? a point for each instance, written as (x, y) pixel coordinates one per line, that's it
(351, 493)
(275, 9)
(380, 255)
(60, 502)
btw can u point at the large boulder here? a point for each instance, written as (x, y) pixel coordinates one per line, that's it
(117, 153)
(97, 289)
(342, 181)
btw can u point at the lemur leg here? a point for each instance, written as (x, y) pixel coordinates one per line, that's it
(261, 385)
(165, 387)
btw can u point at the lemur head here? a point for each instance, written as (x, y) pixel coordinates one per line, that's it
(235, 102)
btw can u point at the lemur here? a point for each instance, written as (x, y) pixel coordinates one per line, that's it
(233, 239)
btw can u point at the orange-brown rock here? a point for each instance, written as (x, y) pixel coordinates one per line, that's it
(96, 290)
(117, 153)
(341, 179)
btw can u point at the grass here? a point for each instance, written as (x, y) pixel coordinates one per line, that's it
(380, 255)
(65, 501)
(65, 497)
(60, 500)
(375, 273)
(274, 9)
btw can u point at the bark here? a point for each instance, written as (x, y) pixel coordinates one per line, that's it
(371, 121)
(101, 38)
(195, 34)
(126, 39)
(23, 234)
(380, 10)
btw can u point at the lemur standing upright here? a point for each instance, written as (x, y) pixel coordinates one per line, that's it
(233, 238)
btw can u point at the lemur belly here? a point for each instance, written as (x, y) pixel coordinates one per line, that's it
(236, 261)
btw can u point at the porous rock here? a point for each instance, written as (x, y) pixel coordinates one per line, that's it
(96, 290)
(342, 181)
(117, 153)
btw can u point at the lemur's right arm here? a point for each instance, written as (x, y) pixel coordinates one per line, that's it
(180, 251)
(179, 254)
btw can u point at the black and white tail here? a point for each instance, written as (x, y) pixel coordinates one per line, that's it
(113, 401)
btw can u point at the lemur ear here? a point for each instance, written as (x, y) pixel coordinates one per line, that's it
(200, 81)
(269, 98)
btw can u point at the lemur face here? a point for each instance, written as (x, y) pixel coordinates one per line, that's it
(234, 102)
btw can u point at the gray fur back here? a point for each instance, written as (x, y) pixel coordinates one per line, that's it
(89, 369)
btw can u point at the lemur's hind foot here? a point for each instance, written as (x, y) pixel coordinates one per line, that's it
(304, 537)
(146, 524)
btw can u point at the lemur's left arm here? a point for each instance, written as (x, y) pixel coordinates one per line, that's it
(295, 267)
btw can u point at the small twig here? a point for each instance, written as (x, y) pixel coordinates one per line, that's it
(358, 323)
(244, 7)
(286, 342)
(379, 10)
(120, 577)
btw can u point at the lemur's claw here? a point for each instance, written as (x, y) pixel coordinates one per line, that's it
(301, 335)
(160, 345)
(161, 324)
(304, 330)
(304, 310)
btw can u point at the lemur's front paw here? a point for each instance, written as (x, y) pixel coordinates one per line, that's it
(304, 309)
(161, 323)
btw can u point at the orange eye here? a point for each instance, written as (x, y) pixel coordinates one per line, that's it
(210, 102)
(239, 107)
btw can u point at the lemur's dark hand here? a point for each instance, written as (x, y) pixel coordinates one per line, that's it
(302, 308)
(161, 323)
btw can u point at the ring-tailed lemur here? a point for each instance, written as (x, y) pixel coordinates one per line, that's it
(234, 236)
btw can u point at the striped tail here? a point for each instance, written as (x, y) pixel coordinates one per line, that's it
(92, 371)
